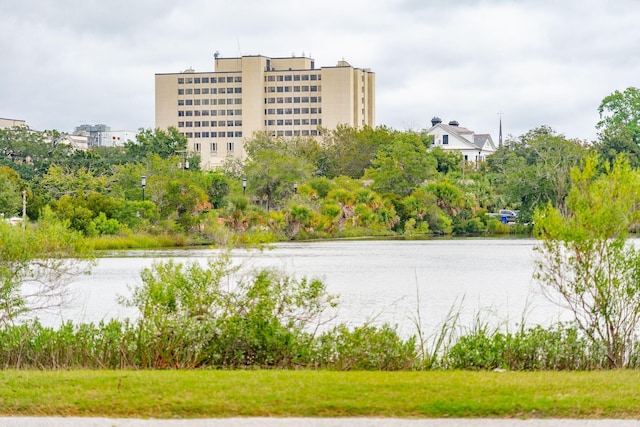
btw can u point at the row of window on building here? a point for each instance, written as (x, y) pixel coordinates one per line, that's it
(293, 122)
(198, 113)
(285, 89)
(206, 124)
(212, 134)
(293, 100)
(292, 77)
(238, 79)
(207, 80)
(228, 101)
(207, 91)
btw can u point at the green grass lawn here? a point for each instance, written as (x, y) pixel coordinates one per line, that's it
(199, 394)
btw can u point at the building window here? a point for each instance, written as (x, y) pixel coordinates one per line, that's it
(237, 101)
(189, 113)
(230, 123)
(238, 112)
(188, 80)
(280, 122)
(280, 100)
(229, 146)
(214, 134)
(271, 122)
(214, 112)
(280, 78)
(287, 78)
(213, 147)
(196, 80)
(313, 88)
(213, 80)
(288, 111)
(305, 77)
(188, 124)
(180, 80)
(222, 134)
(205, 102)
(180, 113)
(237, 79)
(288, 122)
(280, 110)
(445, 139)
(288, 133)
(271, 89)
(296, 88)
(205, 124)
(197, 145)
(280, 89)
(196, 102)
(305, 99)
(296, 111)
(296, 78)
(180, 124)
(238, 123)
(205, 80)
(205, 91)
(188, 92)
(180, 91)
(205, 112)
(196, 124)
(180, 102)
(188, 102)
(305, 88)
(205, 134)
(296, 122)
(271, 78)
(196, 91)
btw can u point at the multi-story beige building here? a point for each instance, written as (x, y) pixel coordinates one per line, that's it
(285, 97)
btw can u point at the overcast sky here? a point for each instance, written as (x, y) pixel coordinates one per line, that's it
(69, 62)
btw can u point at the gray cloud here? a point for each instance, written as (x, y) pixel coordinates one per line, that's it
(538, 62)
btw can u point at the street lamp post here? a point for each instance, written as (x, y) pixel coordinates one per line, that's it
(143, 183)
(244, 185)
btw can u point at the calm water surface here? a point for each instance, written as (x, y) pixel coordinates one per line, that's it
(377, 280)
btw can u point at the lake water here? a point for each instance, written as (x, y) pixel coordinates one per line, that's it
(377, 280)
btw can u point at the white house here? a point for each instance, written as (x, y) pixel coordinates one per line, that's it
(475, 147)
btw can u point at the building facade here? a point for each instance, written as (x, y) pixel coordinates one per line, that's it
(474, 147)
(286, 97)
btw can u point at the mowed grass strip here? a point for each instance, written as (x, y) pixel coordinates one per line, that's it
(200, 394)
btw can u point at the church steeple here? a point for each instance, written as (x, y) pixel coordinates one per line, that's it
(500, 133)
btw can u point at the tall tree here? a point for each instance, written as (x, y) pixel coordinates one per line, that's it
(621, 109)
(166, 144)
(401, 166)
(535, 169)
(585, 257)
(272, 167)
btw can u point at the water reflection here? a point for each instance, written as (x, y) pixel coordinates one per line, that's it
(378, 280)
